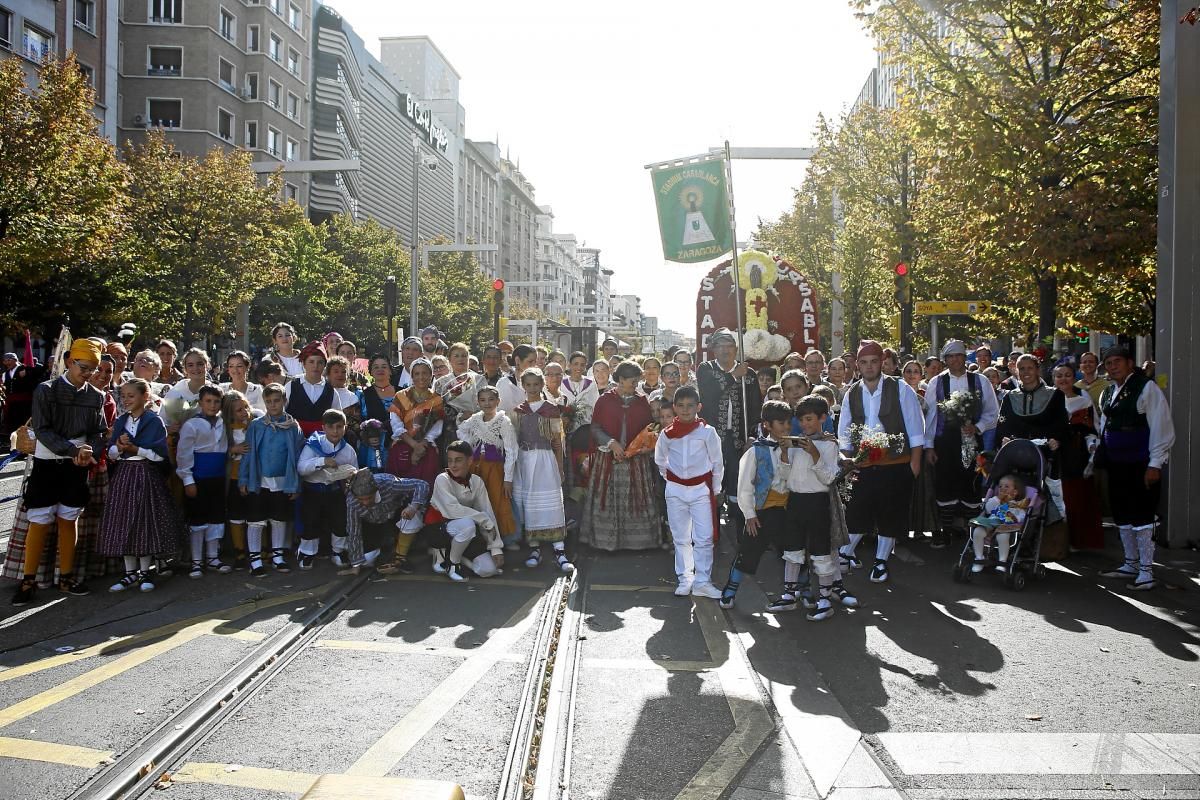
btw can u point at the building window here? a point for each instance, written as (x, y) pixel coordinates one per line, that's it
(89, 74)
(166, 61)
(273, 137)
(252, 38)
(295, 17)
(275, 6)
(35, 44)
(225, 124)
(228, 26)
(164, 113)
(275, 48)
(252, 85)
(291, 192)
(293, 150)
(293, 62)
(5, 29)
(293, 106)
(85, 14)
(273, 91)
(252, 134)
(170, 11)
(228, 75)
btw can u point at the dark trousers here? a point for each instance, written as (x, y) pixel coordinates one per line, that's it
(881, 501)
(778, 528)
(956, 487)
(1132, 503)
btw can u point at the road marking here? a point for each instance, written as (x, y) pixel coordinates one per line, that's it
(218, 617)
(649, 664)
(404, 735)
(266, 780)
(406, 648)
(621, 587)
(29, 612)
(1016, 753)
(52, 753)
(752, 722)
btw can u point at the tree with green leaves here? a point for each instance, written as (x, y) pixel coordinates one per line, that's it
(206, 234)
(1040, 120)
(62, 189)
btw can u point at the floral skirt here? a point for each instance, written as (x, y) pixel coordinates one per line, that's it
(622, 510)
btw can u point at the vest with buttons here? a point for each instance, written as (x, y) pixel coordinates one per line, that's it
(890, 415)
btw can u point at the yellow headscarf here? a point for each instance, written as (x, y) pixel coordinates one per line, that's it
(86, 350)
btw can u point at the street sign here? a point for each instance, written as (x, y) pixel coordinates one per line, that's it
(940, 308)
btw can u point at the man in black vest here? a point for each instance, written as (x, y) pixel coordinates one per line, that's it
(730, 401)
(882, 494)
(955, 484)
(1136, 435)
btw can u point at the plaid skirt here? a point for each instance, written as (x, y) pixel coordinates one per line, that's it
(622, 511)
(88, 562)
(140, 518)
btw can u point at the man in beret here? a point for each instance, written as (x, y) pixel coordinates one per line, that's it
(882, 495)
(956, 485)
(1136, 436)
(730, 401)
(68, 421)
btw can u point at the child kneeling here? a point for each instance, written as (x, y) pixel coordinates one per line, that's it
(1004, 513)
(466, 526)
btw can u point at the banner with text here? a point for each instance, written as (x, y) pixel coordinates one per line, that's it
(693, 211)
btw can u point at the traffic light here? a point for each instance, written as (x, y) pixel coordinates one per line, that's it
(389, 296)
(497, 306)
(903, 284)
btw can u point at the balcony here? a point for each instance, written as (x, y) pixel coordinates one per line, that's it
(164, 71)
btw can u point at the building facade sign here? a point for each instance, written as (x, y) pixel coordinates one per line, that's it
(422, 117)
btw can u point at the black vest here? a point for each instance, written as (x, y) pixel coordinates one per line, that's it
(890, 414)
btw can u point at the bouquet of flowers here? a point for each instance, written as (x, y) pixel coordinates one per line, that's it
(177, 411)
(871, 446)
(568, 414)
(962, 408)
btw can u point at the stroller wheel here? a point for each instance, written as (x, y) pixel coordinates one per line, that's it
(1016, 580)
(1039, 572)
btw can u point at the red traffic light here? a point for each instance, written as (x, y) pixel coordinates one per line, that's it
(902, 269)
(498, 285)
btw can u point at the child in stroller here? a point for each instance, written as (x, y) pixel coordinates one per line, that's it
(1014, 516)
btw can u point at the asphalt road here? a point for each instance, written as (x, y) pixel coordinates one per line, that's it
(933, 689)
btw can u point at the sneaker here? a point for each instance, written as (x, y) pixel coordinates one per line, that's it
(145, 584)
(72, 586)
(216, 565)
(706, 590)
(824, 610)
(726, 601)
(806, 599)
(1122, 571)
(25, 592)
(684, 589)
(977, 567)
(305, 561)
(785, 602)
(454, 573)
(197, 570)
(937, 541)
(535, 558)
(1144, 583)
(879, 572)
(440, 565)
(130, 580)
(563, 562)
(839, 593)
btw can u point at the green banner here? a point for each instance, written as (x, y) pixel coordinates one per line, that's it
(693, 211)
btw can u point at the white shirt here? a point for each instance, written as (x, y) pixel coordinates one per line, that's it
(311, 465)
(398, 429)
(292, 368)
(959, 383)
(143, 453)
(253, 392)
(183, 390)
(748, 468)
(1153, 403)
(692, 455)
(910, 408)
(455, 501)
(313, 390)
(197, 435)
(812, 477)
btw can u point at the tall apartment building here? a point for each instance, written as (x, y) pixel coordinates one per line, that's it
(34, 30)
(219, 73)
(597, 288)
(560, 295)
(479, 200)
(518, 231)
(627, 314)
(362, 111)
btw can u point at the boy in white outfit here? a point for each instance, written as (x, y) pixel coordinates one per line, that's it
(463, 513)
(688, 455)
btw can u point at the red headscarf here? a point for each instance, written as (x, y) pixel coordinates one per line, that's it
(869, 347)
(316, 348)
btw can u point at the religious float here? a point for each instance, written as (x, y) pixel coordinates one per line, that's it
(778, 308)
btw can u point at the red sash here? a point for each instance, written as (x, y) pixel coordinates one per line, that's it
(706, 479)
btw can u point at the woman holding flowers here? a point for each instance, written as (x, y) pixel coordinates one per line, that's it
(416, 419)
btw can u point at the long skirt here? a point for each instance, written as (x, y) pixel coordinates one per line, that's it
(140, 519)
(621, 511)
(401, 465)
(1083, 513)
(492, 473)
(537, 497)
(88, 562)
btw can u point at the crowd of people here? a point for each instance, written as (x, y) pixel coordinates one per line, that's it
(147, 462)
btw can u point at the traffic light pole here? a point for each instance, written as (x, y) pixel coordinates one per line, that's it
(906, 307)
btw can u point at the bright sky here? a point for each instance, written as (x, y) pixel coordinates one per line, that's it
(585, 95)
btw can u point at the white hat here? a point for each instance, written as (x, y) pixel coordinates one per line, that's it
(954, 348)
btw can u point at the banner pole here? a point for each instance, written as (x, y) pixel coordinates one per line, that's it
(737, 294)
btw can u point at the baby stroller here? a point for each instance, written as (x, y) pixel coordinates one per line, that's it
(1023, 458)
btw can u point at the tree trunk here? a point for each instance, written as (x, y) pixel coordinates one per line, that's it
(1047, 305)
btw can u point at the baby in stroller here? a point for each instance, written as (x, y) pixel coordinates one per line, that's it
(1004, 514)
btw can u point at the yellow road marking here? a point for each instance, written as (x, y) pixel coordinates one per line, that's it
(752, 722)
(94, 677)
(650, 664)
(621, 587)
(404, 735)
(266, 780)
(406, 648)
(125, 642)
(52, 753)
